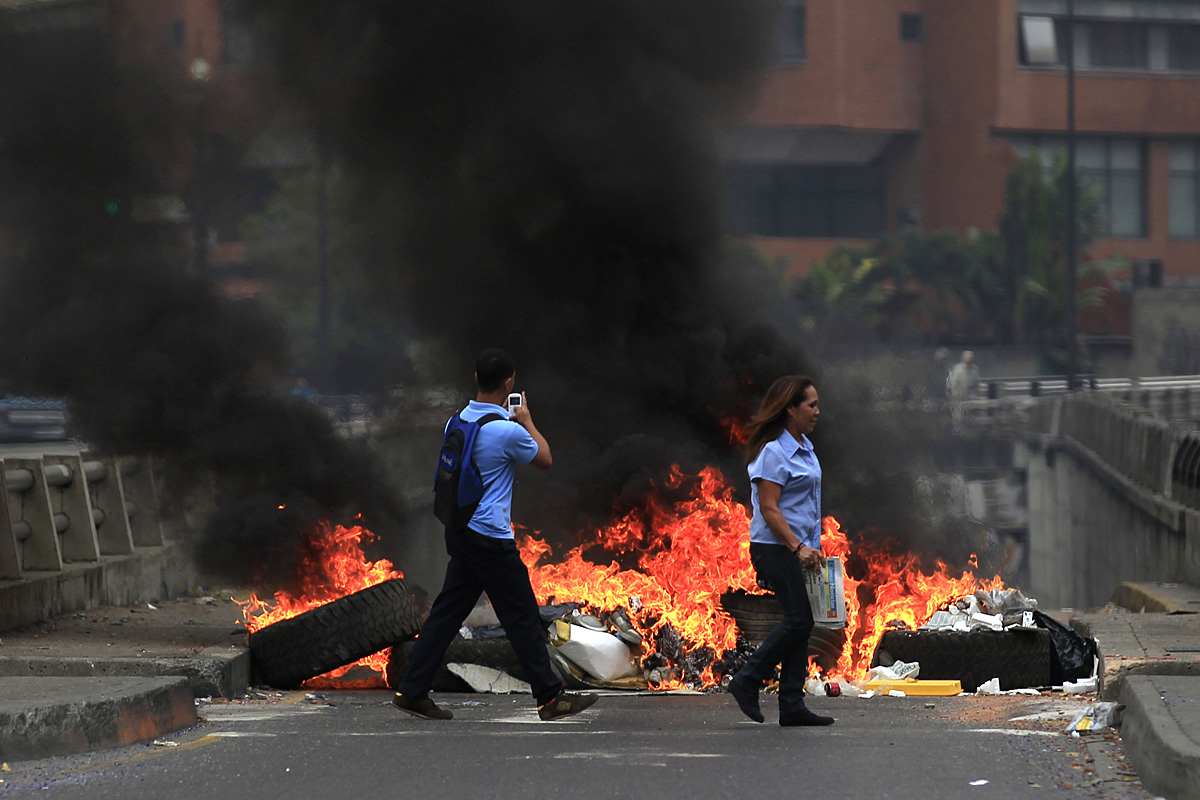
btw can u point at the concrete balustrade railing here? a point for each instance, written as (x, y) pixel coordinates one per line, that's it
(62, 509)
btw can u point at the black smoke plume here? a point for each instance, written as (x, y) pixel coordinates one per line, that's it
(96, 305)
(542, 176)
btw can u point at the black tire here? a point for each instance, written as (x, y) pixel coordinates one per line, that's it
(757, 615)
(496, 653)
(290, 652)
(1019, 658)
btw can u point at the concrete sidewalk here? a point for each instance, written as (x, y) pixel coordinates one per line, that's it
(117, 675)
(1150, 663)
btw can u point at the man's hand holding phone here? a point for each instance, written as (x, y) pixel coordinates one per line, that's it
(517, 410)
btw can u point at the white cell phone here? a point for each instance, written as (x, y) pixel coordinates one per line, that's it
(514, 400)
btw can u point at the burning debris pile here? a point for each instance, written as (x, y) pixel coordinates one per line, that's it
(681, 558)
(652, 582)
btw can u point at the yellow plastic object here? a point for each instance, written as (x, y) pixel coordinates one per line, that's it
(917, 687)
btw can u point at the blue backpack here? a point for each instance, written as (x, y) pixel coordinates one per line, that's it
(458, 485)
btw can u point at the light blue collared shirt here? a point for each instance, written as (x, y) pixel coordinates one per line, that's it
(499, 447)
(794, 466)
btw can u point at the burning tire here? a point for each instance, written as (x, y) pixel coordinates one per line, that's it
(1019, 658)
(495, 653)
(757, 615)
(336, 634)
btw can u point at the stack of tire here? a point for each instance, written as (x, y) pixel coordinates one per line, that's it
(757, 615)
(1020, 657)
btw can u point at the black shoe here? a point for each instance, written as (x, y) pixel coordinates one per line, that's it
(747, 700)
(421, 707)
(565, 704)
(804, 717)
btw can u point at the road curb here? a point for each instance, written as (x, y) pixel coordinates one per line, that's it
(214, 672)
(44, 717)
(1156, 598)
(1166, 759)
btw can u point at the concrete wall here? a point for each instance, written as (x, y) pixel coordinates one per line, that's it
(1098, 473)
(1166, 332)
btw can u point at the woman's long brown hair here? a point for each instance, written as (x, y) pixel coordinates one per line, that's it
(771, 419)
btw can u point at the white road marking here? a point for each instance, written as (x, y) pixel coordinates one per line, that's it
(636, 756)
(242, 735)
(241, 713)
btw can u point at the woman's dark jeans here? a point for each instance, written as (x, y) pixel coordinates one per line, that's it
(787, 644)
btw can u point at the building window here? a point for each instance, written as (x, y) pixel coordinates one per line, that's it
(806, 200)
(1042, 41)
(792, 32)
(178, 34)
(1183, 48)
(912, 27)
(1115, 167)
(1118, 45)
(1183, 186)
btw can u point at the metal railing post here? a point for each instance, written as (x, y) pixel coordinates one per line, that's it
(40, 550)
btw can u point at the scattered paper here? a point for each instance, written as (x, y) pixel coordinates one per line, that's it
(989, 687)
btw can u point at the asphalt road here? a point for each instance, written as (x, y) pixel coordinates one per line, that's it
(355, 745)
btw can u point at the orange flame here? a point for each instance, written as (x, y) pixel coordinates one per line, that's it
(690, 553)
(897, 589)
(687, 555)
(334, 566)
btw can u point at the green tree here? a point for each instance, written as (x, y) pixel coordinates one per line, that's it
(1033, 236)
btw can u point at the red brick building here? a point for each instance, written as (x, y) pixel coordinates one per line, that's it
(882, 114)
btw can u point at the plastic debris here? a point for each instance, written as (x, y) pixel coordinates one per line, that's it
(921, 688)
(163, 743)
(896, 693)
(989, 621)
(1080, 687)
(600, 654)
(488, 680)
(980, 782)
(898, 671)
(1093, 718)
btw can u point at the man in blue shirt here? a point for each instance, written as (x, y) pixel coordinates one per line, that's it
(484, 557)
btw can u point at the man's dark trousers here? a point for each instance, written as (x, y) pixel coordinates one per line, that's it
(481, 563)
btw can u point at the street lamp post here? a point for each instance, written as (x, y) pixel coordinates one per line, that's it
(1072, 229)
(200, 70)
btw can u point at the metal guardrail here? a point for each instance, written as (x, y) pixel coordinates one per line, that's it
(58, 510)
(1173, 397)
(1039, 385)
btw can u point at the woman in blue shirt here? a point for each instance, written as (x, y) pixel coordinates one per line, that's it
(785, 538)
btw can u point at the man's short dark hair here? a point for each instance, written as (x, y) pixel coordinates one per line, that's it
(493, 367)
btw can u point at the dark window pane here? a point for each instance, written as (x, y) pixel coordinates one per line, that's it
(1181, 206)
(1118, 44)
(858, 215)
(1126, 205)
(791, 32)
(912, 27)
(1183, 47)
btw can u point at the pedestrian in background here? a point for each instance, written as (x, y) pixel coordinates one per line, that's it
(960, 385)
(484, 556)
(785, 539)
